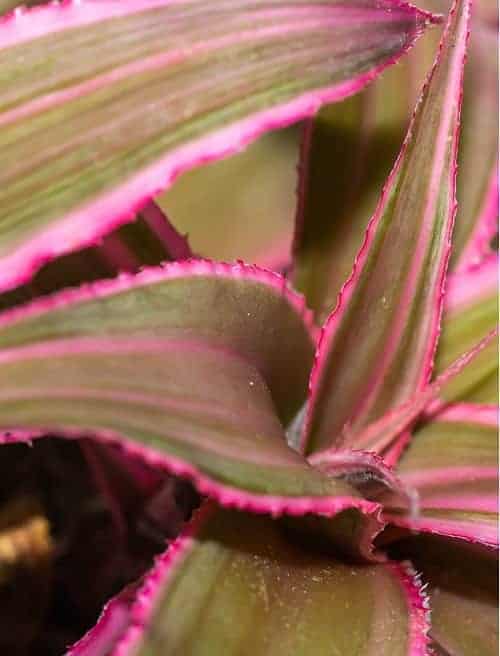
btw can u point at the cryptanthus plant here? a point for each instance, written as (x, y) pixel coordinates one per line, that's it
(337, 424)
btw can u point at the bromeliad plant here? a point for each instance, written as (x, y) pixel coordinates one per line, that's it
(348, 472)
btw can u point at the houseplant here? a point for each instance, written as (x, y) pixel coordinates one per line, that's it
(318, 451)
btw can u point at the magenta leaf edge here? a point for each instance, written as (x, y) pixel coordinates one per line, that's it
(124, 202)
(348, 288)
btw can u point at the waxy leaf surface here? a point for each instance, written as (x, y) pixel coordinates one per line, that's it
(390, 434)
(234, 584)
(377, 347)
(103, 104)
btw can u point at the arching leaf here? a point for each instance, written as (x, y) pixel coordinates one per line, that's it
(185, 366)
(252, 591)
(104, 104)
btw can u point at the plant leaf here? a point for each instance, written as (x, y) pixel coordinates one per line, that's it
(481, 240)
(139, 92)
(390, 434)
(347, 152)
(463, 588)
(452, 462)
(477, 181)
(149, 240)
(112, 623)
(188, 365)
(377, 347)
(471, 311)
(252, 591)
(9, 5)
(367, 472)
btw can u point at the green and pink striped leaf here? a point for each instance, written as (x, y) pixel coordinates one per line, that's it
(390, 434)
(103, 104)
(347, 152)
(150, 239)
(471, 312)
(113, 621)
(248, 589)
(377, 347)
(477, 180)
(185, 366)
(452, 463)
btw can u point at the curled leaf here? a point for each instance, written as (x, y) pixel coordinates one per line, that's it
(251, 590)
(184, 366)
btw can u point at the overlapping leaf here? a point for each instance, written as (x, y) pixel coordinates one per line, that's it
(103, 104)
(452, 462)
(348, 150)
(390, 434)
(149, 240)
(471, 312)
(186, 363)
(377, 347)
(111, 625)
(235, 582)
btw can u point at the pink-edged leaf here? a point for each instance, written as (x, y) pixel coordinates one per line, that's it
(149, 240)
(477, 180)
(185, 366)
(471, 312)
(390, 434)
(479, 245)
(367, 472)
(239, 308)
(467, 289)
(92, 128)
(462, 582)
(347, 152)
(175, 245)
(377, 347)
(349, 148)
(452, 462)
(112, 623)
(236, 582)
